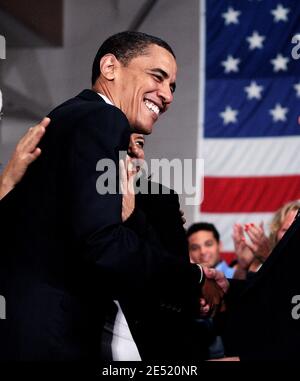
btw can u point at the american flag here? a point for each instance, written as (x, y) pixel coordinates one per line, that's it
(250, 102)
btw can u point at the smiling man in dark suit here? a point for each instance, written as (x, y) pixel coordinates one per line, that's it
(68, 251)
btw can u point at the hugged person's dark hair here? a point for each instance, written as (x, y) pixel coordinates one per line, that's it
(125, 46)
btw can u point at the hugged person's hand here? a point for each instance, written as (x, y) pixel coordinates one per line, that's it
(127, 177)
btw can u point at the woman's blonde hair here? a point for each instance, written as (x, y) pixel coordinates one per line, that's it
(279, 217)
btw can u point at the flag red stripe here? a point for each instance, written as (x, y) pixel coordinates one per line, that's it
(248, 194)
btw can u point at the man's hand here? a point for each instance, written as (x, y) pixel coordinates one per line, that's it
(25, 153)
(127, 178)
(218, 277)
(213, 290)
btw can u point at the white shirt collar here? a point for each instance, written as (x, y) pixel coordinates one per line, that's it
(106, 100)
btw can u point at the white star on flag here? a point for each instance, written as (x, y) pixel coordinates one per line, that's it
(297, 88)
(231, 64)
(229, 115)
(280, 63)
(256, 40)
(280, 13)
(231, 16)
(279, 113)
(253, 90)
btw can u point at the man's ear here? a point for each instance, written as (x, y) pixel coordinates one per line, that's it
(108, 64)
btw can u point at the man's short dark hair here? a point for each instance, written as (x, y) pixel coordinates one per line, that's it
(203, 226)
(125, 46)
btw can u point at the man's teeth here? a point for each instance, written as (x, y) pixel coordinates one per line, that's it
(151, 106)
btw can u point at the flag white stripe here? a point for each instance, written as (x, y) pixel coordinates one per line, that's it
(251, 157)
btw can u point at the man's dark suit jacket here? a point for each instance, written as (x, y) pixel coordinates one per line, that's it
(261, 325)
(166, 331)
(65, 254)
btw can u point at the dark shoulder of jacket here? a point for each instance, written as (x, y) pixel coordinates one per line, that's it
(90, 112)
(80, 106)
(156, 192)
